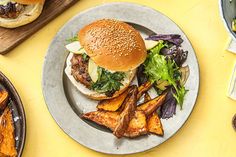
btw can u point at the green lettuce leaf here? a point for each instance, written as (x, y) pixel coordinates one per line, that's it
(72, 39)
(158, 67)
(108, 82)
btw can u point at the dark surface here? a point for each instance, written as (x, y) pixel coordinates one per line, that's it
(18, 113)
(10, 38)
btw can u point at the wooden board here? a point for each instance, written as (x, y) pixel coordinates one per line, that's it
(10, 38)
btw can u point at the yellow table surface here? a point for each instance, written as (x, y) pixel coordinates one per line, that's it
(208, 131)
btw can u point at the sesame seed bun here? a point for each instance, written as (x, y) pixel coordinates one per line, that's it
(113, 45)
(30, 13)
(91, 93)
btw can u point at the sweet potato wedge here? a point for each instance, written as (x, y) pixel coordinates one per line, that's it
(3, 98)
(137, 125)
(143, 88)
(115, 103)
(112, 104)
(127, 113)
(105, 118)
(151, 105)
(130, 120)
(154, 124)
(7, 142)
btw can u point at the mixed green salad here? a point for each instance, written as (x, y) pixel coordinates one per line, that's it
(163, 67)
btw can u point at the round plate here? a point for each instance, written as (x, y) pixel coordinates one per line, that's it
(18, 113)
(228, 12)
(66, 103)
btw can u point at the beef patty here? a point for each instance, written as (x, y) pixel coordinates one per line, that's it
(11, 10)
(79, 70)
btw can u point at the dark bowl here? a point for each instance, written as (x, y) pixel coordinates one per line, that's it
(18, 113)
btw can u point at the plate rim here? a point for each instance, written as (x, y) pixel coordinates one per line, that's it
(16, 97)
(134, 5)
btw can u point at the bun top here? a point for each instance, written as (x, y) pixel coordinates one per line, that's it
(29, 1)
(113, 45)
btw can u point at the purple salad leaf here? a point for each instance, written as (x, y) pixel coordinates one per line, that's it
(172, 38)
(175, 53)
(168, 109)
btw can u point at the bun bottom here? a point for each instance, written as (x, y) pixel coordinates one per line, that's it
(91, 93)
(30, 13)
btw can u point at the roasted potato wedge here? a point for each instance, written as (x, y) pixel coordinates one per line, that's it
(127, 113)
(154, 124)
(137, 125)
(3, 98)
(7, 142)
(130, 120)
(105, 118)
(150, 106)
(143, 88)
(112, 104)
(115, 103)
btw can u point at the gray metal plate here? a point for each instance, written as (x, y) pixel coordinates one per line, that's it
(66, 104)
(228, 13)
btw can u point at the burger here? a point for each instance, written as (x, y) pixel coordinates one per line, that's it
(103, 58)
(15, 13)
